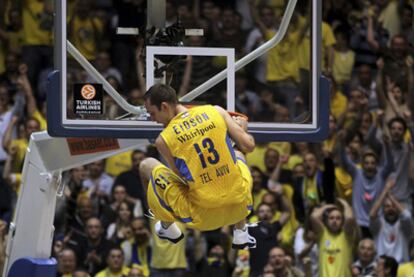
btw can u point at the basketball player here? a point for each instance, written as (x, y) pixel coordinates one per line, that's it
(207, 183)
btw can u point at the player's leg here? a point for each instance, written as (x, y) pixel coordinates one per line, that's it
(165, 228)
(241, 237)
(145, 171)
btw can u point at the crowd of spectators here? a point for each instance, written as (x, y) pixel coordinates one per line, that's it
(342, 207)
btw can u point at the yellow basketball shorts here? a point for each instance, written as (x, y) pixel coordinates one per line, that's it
(168, 200)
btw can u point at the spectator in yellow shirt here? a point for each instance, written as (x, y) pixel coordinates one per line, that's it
(32, 110)
(115, 261)
(37, 32)
(407, 269)
(336, 232)
(31, 125)
(85, 30)
(343, 63)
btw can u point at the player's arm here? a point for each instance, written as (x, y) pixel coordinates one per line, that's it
(165, 152)
(243, 140)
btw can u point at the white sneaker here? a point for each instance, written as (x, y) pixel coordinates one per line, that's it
(172, 233)
(242, 239)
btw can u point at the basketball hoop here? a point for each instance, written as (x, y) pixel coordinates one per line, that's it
(232, 114)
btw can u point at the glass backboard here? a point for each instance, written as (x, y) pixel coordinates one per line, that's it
(268, 69)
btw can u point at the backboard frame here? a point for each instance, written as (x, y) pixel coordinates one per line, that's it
(314, 131)
(153, 51)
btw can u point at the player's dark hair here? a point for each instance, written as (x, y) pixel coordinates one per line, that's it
(161, 93)
(137, 151)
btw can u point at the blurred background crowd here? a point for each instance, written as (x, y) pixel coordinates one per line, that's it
(342, 207)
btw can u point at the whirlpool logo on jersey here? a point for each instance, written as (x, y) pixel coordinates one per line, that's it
(87, 99)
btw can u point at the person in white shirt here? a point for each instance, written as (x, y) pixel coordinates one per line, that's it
(99, 183)
(393, 229)
(305, 246)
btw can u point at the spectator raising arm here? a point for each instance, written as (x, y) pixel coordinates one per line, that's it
(373, 215)
(185, 83)
(409, 61)
(7, 137)
(284, 204)
(350, 225)
(24, 83)
(388, 165)
(382, 101)
(347, 163)
(405, 216)
(140, 64)
(256, 18)
(373, 43)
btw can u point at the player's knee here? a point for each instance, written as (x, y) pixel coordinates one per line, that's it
(147, 165)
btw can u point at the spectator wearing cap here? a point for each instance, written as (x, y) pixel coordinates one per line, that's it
(365, 265)
(368, 181)
(336, 232)
(392, 229)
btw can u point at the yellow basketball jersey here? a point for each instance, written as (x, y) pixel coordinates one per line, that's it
(202, 151)
(335, 255)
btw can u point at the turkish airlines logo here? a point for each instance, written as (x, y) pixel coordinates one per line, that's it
(88, 92)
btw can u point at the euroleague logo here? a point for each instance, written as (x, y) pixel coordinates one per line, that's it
(88, 92)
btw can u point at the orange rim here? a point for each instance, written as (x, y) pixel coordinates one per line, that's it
(232, 114)
(239, 114)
